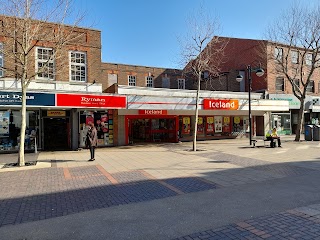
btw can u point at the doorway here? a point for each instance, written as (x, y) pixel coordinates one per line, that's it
(56, 134)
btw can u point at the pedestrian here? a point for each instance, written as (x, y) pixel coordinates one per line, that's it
(271, 135)
(91, 140)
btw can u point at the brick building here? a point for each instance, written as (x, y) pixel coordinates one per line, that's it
(240, 53)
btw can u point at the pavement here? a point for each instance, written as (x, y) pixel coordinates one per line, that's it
(225, 190)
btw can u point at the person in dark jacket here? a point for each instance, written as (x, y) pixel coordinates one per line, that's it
(91, 140)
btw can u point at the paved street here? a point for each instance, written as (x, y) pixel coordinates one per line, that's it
(226, 190)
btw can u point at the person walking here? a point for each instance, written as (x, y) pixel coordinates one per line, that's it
(91, 140)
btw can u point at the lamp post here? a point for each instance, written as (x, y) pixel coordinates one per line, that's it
(259, 72)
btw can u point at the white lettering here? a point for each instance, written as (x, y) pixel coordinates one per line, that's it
(93, 99)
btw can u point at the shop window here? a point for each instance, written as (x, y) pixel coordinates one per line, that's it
(280, 84)
(78, 66)
(10, 122)
(200, 125)
(1, 60)
(103, 121)
(44, 63)
(131, 80)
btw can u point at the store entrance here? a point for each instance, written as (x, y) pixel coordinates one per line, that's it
(152, 130)
(56, 134)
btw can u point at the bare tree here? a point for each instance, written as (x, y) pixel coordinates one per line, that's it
(295, 38)
(26, 24)
(202, 53)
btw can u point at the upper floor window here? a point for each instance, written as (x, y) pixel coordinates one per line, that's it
(181, 84)
(278, 53)
(294, 56)
(44, 63)
(309, 59)
(280, 84)
(1, 60)
(131, 80)
(165, 82)
(78, 66)
(149, 81)
(296, 84)
(310, 87)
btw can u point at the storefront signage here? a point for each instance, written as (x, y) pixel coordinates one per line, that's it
(94, 101)
(33, 99)
(220, 104)
(56, 113)
(153, 112)
(294, 102)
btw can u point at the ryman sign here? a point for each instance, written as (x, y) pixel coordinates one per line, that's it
(220, 104)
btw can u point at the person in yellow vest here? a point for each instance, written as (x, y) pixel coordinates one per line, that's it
(271, 135)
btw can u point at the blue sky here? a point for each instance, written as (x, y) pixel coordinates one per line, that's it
(145, 32)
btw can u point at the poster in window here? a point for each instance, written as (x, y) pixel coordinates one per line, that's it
(226, 124)
(218, 124)
(4, 122)
(186, 125)
(210, 124)
(200, 125)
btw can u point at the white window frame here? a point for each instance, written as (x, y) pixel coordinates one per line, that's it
(80, 63)
(149, 81)
(278, 54)
(49, 70)
(294, 56)
(1, 59)
(132, 80)
(181, 83)
(309, 59)
(280, 85)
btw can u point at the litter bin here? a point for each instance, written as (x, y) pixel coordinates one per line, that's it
(308, 132)
(316, 133)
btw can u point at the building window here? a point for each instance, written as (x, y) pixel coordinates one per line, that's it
(310, 87)
(319, 87)
(149, 81)
(296, 84)
(294, 56)
(1, 60)
(44, 63)
(78, 66)
(280, 84)
(165, 82)
(131, 80)
(309, 59)
(278, 53)
(181, 84)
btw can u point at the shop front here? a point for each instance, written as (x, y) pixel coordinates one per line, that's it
(152, 126)
(168, 115)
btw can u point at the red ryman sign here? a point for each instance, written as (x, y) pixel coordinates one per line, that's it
(95, 101)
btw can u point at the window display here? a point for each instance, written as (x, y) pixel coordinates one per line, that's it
(103, 121)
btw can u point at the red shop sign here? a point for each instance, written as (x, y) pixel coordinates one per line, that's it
(220, 104)
(153, 112)
(96, 101)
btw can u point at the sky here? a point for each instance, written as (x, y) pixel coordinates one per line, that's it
(146, 32)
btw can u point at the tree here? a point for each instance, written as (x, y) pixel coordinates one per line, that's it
(295, 36)
(24, 25)
(202, 54)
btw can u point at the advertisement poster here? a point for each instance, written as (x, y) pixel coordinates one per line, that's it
(226, 124)
(210, 124)
(218, 124)
(200, 127)
(186, 125)
(4, 122)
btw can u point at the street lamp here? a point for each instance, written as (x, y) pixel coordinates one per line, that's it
(259, 72)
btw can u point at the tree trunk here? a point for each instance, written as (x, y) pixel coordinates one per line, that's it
(21, 161)
(196, 115)
(300, 120)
